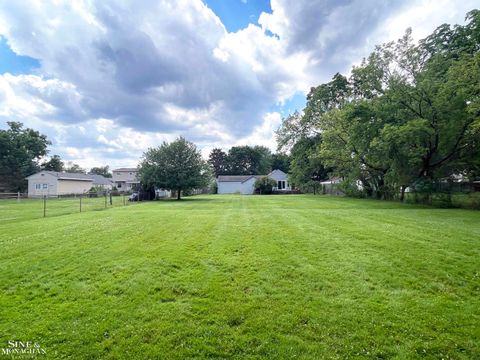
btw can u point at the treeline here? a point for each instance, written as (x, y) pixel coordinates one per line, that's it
(407, 117)
(247, 160)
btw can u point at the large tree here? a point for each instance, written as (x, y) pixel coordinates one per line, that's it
(306, 168)
(55, 163)
(218, 161)
(20, 150)
(101, 170)
(249, 160)
(177, 166)
(409, 114)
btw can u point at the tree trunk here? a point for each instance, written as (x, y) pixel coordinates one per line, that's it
(178, 193)
(402, 193)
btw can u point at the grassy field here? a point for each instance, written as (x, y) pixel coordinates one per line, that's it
(245, 277)
(32, 208)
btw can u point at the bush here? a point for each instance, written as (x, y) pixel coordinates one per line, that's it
(265, 185)
(214, 188)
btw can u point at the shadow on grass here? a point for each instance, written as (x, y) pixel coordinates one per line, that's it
(187, 199)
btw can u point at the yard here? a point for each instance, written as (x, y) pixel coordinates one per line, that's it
(256, 277)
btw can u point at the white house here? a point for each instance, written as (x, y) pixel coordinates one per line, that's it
(125, 179)
(53, 183)
(244, 184)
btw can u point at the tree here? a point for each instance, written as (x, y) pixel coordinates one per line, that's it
(54, 164)
(409, 114)
(218, 162)
(177, 166)
(248, 160)
(281, 161)
(265, 185)
(306, 169)
(74, 168)
(101, 170)
(20, 150)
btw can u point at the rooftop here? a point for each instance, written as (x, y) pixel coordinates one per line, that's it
(96, 179)
(125, 169)
(236, 178)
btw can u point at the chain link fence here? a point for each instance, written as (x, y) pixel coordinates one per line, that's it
(18, 206)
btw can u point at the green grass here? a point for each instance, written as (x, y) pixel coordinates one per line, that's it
(245, 277)
(32, 208)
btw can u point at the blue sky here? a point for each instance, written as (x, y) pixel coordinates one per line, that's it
(13, 63)
(237, 14)
(106, 80)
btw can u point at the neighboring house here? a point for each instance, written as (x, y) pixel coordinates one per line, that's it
(125, 179)
(100, 181)
(245, 184)
(52, 183)
(236, 184)
(328, 186)
(282, 180)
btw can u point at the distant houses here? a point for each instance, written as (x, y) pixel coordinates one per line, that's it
(54, 183)
(245, 184)
(125, 179)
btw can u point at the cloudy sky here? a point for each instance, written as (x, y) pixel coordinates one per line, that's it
(105, 80)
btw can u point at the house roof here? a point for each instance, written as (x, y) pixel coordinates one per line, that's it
(236, 178)
(96, 179)
(100, 180)
(332, 180)
(125, 169)
(277, 171)
(243, 178)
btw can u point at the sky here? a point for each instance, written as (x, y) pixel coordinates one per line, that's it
(106, 80)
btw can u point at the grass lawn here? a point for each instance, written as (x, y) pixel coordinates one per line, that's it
(32, 208)
(245, 277)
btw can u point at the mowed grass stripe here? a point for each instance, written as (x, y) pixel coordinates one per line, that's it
(245, 277)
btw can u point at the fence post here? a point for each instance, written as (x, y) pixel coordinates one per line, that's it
(18, 196)
(123, 195)
(44, 205)
(80, 197)
(105, 199)
(111, 202)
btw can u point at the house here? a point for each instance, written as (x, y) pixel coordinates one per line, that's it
(100, 181)
(328, 186)
(125, 179)
(53, 183)
(245, 184)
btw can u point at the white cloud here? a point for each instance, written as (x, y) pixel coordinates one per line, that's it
(118, 77)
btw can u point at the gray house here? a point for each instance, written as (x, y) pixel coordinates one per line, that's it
(244, 184)
(125, 179)
(55, 183)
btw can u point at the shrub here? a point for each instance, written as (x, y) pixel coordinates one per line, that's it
(265, 185)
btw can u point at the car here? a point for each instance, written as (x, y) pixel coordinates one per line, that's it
(134, 197)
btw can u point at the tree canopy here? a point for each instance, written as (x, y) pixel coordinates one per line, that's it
(55, 163)
(20, 150)
(101, 170)
(74, 168)
(247, 160)
(176, 166)
(409, 114)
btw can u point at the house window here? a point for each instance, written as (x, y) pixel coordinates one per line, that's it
(119, 185)
(38, 186)
(45, 186)
(281, 184)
